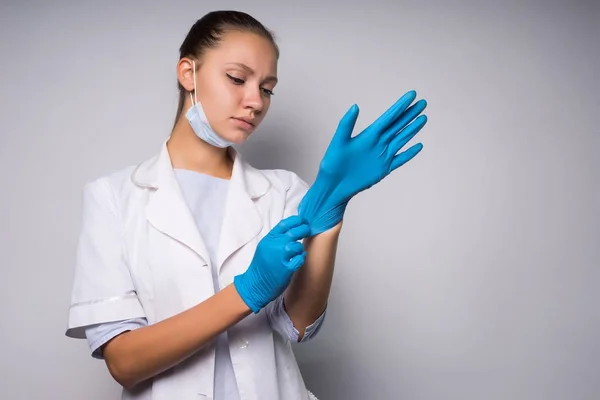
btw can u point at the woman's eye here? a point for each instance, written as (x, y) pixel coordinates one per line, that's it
(239, 81)
(235, 80)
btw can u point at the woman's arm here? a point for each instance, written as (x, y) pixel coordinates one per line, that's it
(350, 165)
(307, 295)
(137, 355)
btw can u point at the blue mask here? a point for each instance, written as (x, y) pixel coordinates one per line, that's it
(199, 123)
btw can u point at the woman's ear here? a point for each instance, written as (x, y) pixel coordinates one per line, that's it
(185, 73)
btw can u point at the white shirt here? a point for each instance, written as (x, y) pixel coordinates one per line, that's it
(205, 196)
(140, 261)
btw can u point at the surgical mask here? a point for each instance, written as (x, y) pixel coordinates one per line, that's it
(199, 123)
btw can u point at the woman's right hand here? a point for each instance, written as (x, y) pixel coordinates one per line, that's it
(278, 255)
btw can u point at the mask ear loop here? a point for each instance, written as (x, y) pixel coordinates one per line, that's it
(195, 96)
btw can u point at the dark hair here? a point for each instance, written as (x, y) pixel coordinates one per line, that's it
(206, 33)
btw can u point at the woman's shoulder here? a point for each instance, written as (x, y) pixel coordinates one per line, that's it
(279, 178)
(287, 186)
(115, 178)
(110, 189)
(284, 178)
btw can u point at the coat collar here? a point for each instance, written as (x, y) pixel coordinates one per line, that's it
(168, 212)
(159, 170)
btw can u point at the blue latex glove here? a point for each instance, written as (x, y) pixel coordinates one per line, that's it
(277, 256)
(353, 164)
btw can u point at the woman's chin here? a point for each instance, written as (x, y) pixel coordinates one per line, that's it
(237, 136)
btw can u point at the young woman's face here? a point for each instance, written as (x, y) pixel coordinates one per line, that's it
(235, 82)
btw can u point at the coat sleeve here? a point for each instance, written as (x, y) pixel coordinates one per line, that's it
(102, 290)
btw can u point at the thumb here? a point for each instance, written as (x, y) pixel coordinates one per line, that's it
(346, 126)
(296, 262)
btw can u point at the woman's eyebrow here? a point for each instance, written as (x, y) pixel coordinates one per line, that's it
(251, 71)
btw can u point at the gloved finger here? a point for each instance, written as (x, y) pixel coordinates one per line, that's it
(392, 113)
(346, 126)
(292, 249)
(406, 135)
(410, 114)
(288, 223)
(405, 156)
(295, 263)
(298, 232)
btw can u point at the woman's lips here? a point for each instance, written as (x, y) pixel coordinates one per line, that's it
(243, 123)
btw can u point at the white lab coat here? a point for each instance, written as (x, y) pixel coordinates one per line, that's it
(140, 255)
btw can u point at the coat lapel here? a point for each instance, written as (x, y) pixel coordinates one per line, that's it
(167, 209)
(168, 212)
(241, 220)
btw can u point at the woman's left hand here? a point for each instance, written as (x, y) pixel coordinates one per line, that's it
(354, 164)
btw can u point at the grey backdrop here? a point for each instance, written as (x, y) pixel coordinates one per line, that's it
(471, 273)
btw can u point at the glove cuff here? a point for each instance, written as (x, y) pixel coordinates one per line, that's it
(245, 292)
(318, 208)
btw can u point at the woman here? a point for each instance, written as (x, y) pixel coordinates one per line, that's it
(195, 271)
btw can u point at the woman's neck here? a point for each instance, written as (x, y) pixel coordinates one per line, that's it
(188, 151)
